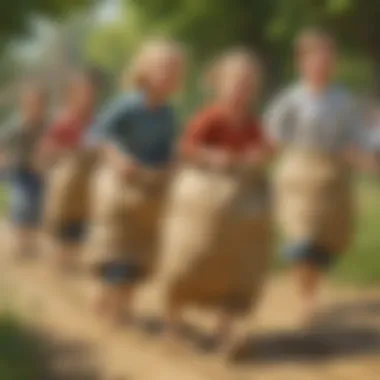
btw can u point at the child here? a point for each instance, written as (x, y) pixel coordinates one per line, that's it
(136, 135)
(63, 145)
(225, 133)
(83, 93)
(222, 139)
(21, 141)
(318, 124)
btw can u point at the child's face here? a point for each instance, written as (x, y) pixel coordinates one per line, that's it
(83, 94)
(165, 73)
(33, 105)
(237, 84)
(318, 65)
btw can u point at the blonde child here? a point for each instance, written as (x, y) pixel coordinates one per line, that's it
(206, 261)
(319, 126)
(136, 135)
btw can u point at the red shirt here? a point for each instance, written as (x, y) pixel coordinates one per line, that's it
(213, 128)
(67, 133)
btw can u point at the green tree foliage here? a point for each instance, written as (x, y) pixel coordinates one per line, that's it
(16, 15)
(269, 26)
(112, 44)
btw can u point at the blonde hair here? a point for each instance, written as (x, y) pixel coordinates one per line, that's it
(135, 74)
(311, 39)
(238, 55)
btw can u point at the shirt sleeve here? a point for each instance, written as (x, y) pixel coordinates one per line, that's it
(197, 134)
(56, 136)
(355, 126)
(108, 126)
(279, 119)
(171, 134)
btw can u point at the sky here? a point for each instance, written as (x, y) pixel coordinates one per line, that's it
(106, 12)
(109, 10)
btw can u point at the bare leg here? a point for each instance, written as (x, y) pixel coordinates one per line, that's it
(225, 331)
(66, 255)
(233, 345)
(115, 302)
(173, 339)
(25, 242)
(309, 278)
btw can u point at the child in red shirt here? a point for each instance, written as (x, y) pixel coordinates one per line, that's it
(226, 132)
(68, 132)
(66, 136)
(221, 137)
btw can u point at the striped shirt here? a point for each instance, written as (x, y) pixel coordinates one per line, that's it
(329, 121)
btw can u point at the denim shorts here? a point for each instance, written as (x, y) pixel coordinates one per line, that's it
(308, 252)
(71, 232)
(26, 198)
(120, 273)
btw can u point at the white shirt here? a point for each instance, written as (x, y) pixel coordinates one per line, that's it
(330, 120)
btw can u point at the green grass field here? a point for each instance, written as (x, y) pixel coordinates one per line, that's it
(361, 265)
(19, 358)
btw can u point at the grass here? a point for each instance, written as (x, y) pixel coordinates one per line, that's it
(19, 359)
(361, 265)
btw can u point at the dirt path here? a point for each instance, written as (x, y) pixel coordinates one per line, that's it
(345, 346)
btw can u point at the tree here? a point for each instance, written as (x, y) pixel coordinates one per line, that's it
(269, 26)
(15, 16)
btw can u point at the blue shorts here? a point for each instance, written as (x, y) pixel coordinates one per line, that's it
(26, 198)
(120, 273)
(72, 232)
(308, 252)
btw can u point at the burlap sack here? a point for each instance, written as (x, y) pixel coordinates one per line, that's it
(67, 189)
(313, 199)
(125, 218)
(216, 240)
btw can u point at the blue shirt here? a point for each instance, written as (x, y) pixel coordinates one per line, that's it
(144, 132)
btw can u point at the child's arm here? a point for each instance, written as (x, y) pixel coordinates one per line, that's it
(355, 151)
(106, 133)
(53, 146)
(279, 121)
(195, 143)
(259, 151)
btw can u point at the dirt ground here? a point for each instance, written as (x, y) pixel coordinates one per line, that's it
(344, 345)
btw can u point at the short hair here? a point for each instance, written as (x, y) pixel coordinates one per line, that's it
(236, 54)
(310, 39)
(35, 86)
(135, 74)
(95, 75)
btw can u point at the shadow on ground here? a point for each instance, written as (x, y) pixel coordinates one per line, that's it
(338, 333)
(29, 355)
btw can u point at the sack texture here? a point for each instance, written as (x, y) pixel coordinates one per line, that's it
(313, 199)
(216, 239)
(125, 218)
(67, 190)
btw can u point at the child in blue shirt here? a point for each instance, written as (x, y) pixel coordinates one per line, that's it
(136, 133)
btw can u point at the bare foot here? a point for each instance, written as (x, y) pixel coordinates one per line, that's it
(174, 342)
(236, 350)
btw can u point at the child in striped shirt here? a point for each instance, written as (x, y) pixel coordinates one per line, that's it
(315, 115)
